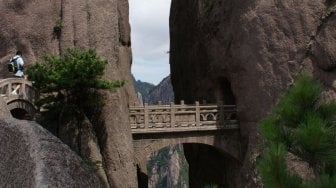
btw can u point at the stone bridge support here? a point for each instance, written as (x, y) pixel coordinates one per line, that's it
(225, 141)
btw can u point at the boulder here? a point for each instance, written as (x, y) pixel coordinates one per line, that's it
(32, 157)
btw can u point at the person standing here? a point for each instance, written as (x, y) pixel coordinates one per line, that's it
(19, 73)
(19, 60)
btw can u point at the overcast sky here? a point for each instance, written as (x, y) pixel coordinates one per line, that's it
(150, 39)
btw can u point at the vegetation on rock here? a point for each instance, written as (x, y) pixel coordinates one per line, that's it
(70, 82)
(58, 28)
(303, 125)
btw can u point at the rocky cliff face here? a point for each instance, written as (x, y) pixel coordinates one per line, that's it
(248, 53)
(37, 28)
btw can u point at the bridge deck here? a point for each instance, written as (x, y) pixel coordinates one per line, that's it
(182, 118)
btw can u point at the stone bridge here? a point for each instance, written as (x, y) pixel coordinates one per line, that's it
(21, 105)
(158, 126)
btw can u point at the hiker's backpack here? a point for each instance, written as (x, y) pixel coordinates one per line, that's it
(13, 65)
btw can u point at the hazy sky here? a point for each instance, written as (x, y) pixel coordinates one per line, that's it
(150, 39)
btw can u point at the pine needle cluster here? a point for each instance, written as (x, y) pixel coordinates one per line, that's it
(304, 126)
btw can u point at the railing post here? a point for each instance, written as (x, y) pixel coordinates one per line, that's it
(182, 102)
(23, 89)
(172, 115)
(197, 113)
(146, 116)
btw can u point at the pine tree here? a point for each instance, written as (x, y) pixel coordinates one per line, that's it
(303, 125)
(70, 83)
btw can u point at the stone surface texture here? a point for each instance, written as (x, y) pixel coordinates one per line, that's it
(32, 157)
(4, 112)
(300, 168)
(83, 141)
(248, 53)
(101, 24)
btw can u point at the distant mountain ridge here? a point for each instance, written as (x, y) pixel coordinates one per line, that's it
(162, 92)
(142, 87)
(152, 94)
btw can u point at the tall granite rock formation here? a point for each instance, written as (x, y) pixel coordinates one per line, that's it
(248, 53)
(40, 27)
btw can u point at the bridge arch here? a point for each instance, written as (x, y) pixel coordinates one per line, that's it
(21, 109)
(227, 142)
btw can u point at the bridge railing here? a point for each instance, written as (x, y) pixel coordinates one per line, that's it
(25, 92)
(177, 118)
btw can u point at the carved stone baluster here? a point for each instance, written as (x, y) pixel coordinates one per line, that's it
(146, 116)
(197, 114)
(172, 115)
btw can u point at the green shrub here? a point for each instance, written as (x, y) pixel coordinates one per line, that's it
(58, 28)
(92, 164)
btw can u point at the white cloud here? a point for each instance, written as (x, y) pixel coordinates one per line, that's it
(150, 38)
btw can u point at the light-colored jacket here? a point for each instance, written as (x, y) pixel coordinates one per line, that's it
(20, 61)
